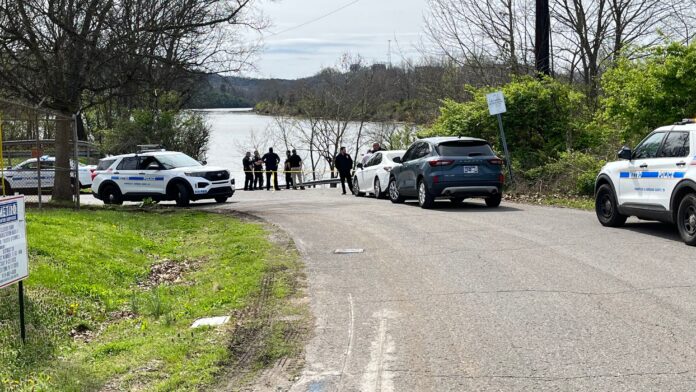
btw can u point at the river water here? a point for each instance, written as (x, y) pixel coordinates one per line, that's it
(234, 131)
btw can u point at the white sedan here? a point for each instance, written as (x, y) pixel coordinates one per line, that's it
(373, 177)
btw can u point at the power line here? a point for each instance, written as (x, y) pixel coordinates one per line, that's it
(341, 8)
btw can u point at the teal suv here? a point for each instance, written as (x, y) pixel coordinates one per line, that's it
(453, 168)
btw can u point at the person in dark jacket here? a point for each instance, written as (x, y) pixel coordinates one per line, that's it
(288, 171)
(248, 164)
(258, 170)
(344, 165)
(271, 160)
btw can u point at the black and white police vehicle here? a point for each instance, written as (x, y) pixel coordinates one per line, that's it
(656, 181)
(159, 175)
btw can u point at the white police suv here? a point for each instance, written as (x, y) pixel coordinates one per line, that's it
(160, 175)
(656, 181)
(24, 178)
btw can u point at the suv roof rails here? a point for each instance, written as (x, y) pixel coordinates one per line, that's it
(685, 121)
(150, 148)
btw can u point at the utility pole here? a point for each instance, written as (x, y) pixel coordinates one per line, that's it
(389, 54)
(542, 38)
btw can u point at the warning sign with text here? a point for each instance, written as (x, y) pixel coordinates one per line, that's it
(14, 264)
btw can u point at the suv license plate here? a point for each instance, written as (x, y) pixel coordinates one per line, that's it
(470, 169)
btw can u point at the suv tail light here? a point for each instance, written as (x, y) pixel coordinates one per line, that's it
(93, 174)
(441, 162)
(501, 178)
(496, 161)
(387, 168)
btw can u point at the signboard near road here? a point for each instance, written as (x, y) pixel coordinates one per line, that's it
(14, 265)
(496, 103)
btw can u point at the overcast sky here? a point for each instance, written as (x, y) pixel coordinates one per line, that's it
(364, 28)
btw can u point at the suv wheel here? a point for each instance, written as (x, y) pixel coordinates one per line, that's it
(425, 199)
(607, 209)
(181, 196)
(111, 195)
(494, 201)
(686, 219)
(221, 199)
(394, 194)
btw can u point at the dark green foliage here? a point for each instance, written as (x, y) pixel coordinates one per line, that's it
(544, 117)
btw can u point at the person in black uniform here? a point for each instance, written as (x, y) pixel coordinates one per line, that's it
(248, 165)
(271, 160)
(288, 169)
(344, 165)
(258, 170)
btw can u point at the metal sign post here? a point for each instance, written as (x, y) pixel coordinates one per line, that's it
(496, 107)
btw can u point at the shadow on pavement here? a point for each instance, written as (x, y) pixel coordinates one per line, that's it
(657, 229)
(445, 205)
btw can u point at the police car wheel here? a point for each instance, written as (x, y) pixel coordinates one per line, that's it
(607, 208)
(686, 219)
(181, 195)
(112, 195)
(221, 199)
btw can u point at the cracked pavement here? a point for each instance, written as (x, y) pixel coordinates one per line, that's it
(470, 298)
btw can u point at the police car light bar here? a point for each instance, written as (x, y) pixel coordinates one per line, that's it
(150, 148)
(686, 121)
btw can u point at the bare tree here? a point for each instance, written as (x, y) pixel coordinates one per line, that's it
(71, 54)
(479, 32)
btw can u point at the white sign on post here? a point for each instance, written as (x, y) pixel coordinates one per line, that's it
(496, 103)
(14, 264)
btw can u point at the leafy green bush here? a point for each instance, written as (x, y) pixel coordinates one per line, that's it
(544, 117)
(658, 89)
(571, 173)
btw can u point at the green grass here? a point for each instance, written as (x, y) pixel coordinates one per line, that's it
(85, 269)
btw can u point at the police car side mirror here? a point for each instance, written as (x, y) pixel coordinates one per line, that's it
(204, 163)
(360, 166)
(625, 153)
(397, 160)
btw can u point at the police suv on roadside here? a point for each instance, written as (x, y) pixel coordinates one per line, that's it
(656, 181)
(159, 175)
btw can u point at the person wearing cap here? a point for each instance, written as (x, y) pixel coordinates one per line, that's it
(344, 165)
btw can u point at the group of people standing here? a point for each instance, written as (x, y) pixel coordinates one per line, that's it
(254, 170)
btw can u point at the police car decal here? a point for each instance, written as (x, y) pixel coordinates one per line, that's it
(652, 174)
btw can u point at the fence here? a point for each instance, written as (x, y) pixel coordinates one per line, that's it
(28, 165)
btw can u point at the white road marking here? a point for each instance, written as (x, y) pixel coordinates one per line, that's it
(382, 352)
(351, 333)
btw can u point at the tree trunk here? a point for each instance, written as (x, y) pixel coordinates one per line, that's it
(62, 191)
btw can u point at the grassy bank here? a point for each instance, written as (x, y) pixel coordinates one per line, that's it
(577, 202)
(112, 294)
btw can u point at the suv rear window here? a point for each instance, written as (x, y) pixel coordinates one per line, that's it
(464, 149)
(105, 164)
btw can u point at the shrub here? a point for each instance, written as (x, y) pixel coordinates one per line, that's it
(544, 117)
(571, 173)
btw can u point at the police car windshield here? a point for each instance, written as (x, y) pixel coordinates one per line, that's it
(177, 160)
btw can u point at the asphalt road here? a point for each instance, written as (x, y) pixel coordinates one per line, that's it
(475, 299)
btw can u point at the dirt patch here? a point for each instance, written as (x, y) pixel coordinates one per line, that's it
(270, 324)
(167, 272)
